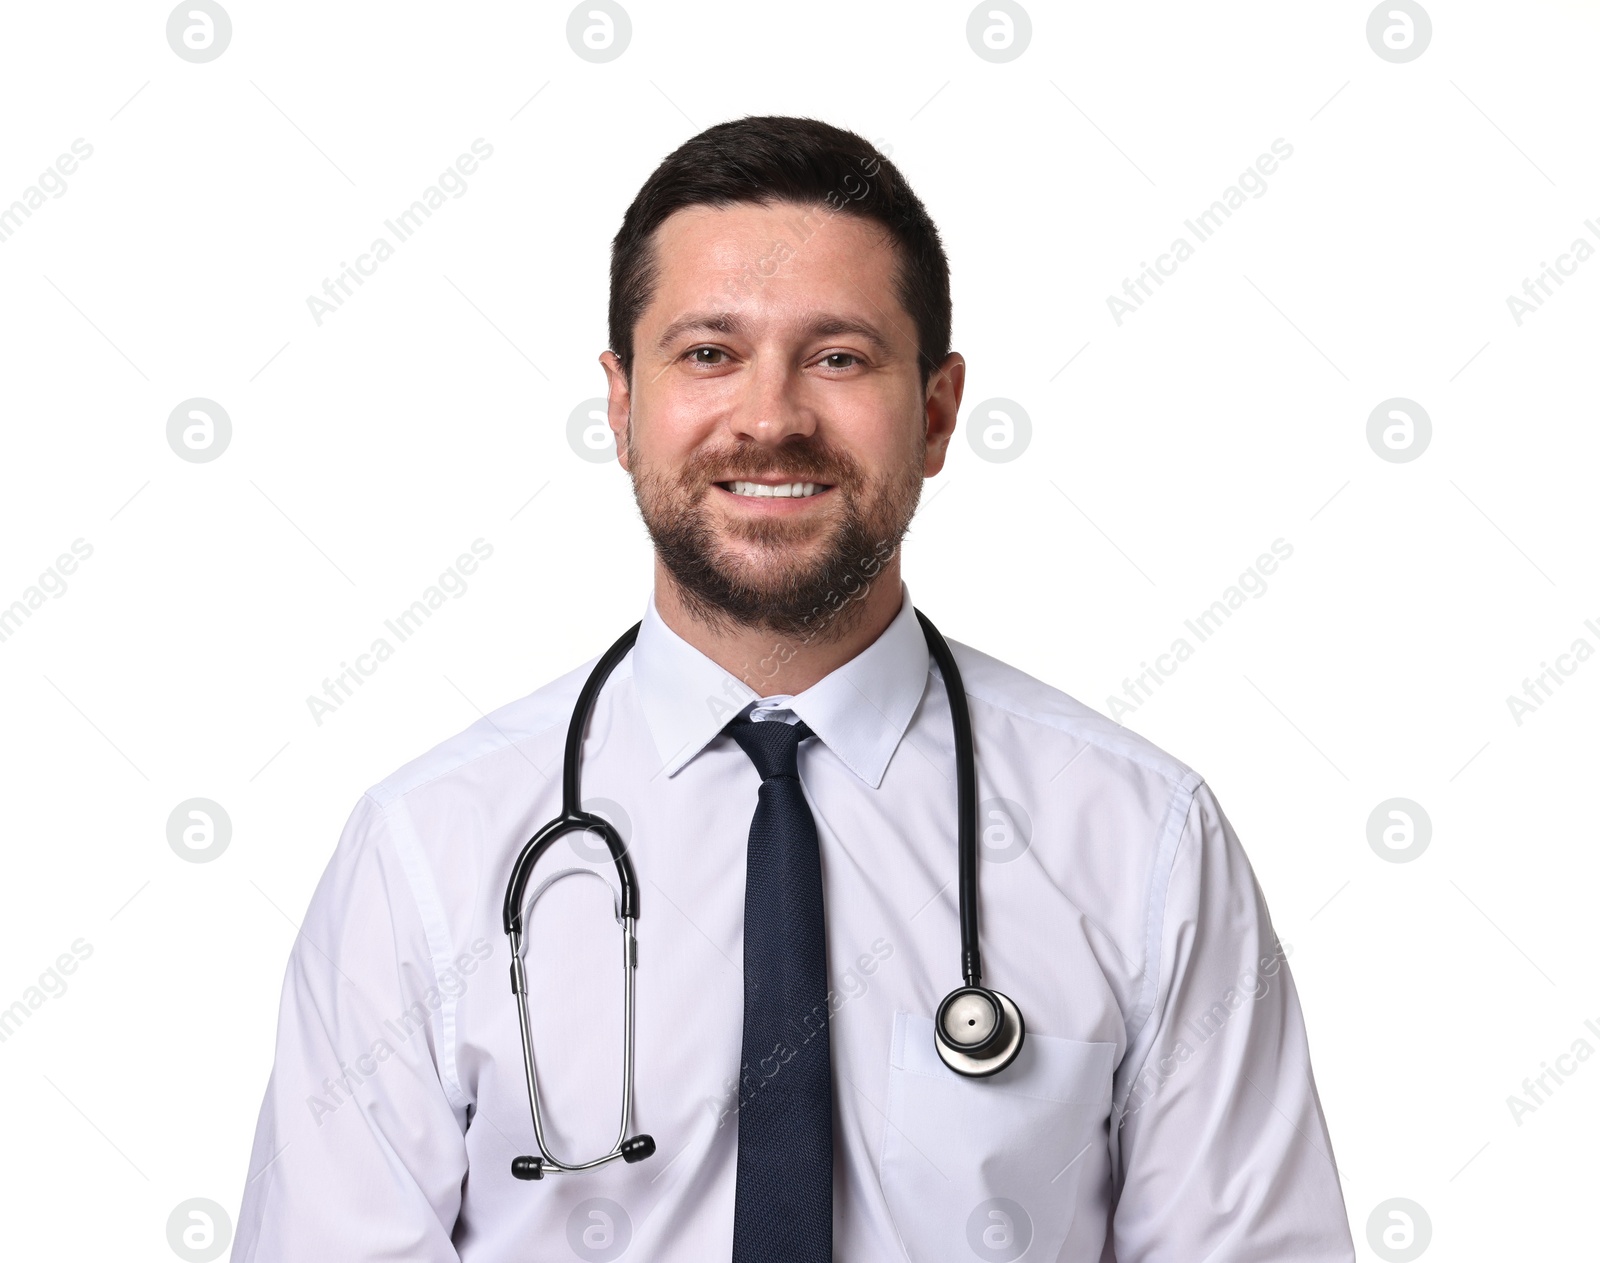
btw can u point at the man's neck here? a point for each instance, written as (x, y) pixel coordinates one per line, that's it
(772, 663)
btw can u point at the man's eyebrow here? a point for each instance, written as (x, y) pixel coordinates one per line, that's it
(708, 321)
(831, 326)
(729, 322)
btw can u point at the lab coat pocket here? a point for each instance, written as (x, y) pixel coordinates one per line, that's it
(989, 1168)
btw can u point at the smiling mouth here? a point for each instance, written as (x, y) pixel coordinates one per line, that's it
(779, 490)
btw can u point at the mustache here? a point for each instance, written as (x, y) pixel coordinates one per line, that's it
(798, 464)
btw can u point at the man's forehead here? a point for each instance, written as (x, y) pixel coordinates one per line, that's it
(774, 259)
(775, 236)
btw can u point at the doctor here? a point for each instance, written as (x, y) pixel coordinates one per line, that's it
(776, 752)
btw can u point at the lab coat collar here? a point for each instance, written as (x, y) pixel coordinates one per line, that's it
(860, 710)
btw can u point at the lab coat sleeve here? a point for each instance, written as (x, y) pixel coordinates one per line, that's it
(359, 1150)
(1221, 1147)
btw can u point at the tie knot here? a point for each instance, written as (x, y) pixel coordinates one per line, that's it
(771, 744)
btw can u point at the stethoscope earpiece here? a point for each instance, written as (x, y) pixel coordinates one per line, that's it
(978, 1032)
(637, 1148)
(634, 1149)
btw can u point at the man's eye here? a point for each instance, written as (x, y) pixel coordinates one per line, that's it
(707, 355)
(840, 359)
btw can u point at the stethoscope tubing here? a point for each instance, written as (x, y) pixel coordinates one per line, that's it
(966, 801)
(574, 819)
(519, 984)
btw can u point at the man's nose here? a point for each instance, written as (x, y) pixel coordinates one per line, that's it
(772, 406)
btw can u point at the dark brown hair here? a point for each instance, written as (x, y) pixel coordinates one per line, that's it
(780, 159)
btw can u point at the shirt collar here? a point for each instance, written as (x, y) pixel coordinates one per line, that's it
(859, 710)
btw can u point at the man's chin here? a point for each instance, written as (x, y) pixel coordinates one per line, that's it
(734, 527)
(759, 548)
(769, 584)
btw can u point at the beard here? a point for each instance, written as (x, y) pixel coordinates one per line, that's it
(770, 574)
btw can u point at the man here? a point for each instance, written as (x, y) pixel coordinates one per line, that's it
(777, 751)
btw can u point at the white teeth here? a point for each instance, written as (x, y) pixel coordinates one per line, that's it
(797, 490)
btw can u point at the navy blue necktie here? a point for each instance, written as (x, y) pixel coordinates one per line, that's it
(783, 1203)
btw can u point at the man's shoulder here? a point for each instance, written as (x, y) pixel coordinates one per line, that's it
(1051, 711)
(540, 715)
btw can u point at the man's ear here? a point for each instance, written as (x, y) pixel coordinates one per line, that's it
(942, 409)
(619, 403)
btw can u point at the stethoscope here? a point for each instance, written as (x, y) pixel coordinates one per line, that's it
(977, 1032)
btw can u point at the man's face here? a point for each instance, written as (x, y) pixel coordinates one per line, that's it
(775, 356)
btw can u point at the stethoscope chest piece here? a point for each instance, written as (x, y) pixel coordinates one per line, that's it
(977, 1031)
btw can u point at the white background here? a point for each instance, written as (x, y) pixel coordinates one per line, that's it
(431, 410)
